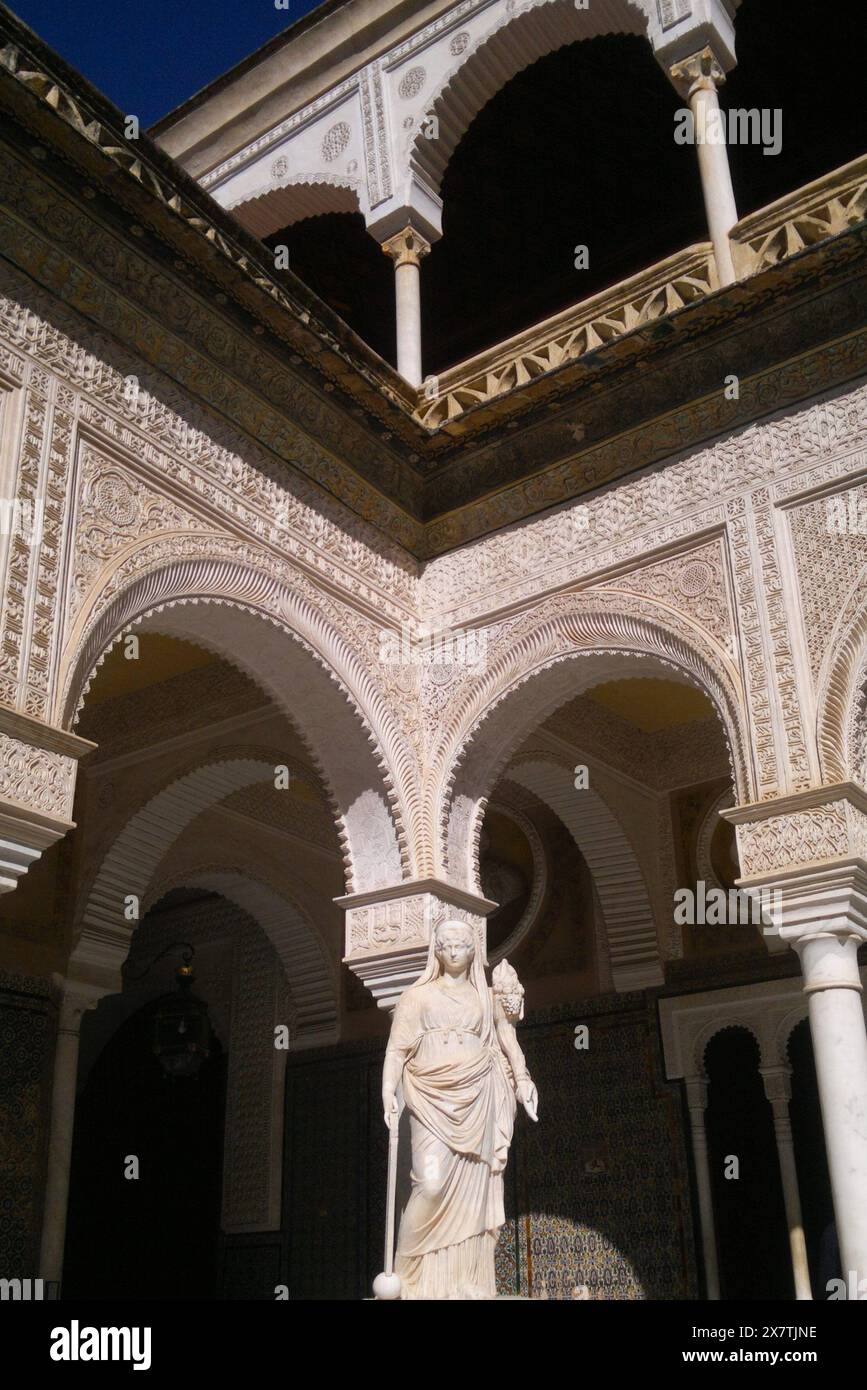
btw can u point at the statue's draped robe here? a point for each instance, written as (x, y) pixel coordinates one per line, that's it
(461, 1100)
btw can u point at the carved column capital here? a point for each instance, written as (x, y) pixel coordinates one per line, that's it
(406, 247)
(696, 1094)
(388, 931)
(777, 1082)
(77, 998)
(700, 72)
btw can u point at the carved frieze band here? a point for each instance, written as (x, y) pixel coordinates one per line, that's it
(786, 685)
(810, 443)
(36, 778)
(402, 922)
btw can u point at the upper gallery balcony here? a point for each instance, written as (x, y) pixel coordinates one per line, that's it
(802, 219)
(546, 177)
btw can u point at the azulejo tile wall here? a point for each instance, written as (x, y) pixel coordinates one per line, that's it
(27, 1026)
(600, 1185)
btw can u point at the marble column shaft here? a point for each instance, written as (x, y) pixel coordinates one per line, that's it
(76, 1000)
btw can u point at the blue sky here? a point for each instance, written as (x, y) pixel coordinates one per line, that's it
(150, 55)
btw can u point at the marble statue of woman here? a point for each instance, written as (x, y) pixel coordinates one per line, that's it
(453, 1047)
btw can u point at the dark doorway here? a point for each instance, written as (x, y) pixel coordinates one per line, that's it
(155, 1236)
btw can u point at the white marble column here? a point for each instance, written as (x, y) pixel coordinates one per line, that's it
(77, 998)
(833, 988)
(697, 79)
(696, 1099)
(406, 250)
(778, 1091)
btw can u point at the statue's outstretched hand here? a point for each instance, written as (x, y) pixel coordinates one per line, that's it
(528, 1096)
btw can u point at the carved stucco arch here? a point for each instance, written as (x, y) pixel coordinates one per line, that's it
(518, 36)
(842, 704)
(704, 835)
(311, 979)
(219, 602)
(725, 1024)
(630, 927)
(545, 659)
(785, 1028)
(284, 201)
(130, 863)
(301, 992)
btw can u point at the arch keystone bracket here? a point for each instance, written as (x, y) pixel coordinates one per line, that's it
(388, 931)
(38, 766)
(820, 826)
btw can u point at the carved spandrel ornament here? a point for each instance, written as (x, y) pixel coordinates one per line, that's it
(639, 515)
(116, 508)
(829, 535)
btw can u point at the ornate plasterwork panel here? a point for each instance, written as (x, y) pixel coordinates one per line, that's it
(20, 561)
(681, 756)
(530, 653)
(829, 536)
(790, 690)
(115, 510)
(37, 778)
(176, 440)
(752, 645)
(385, 925)
(650, 513)
(29, 622)
(693, 582)
(837, 830)
(856, 733)
(283, 811)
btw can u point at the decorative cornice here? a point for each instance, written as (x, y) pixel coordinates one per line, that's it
(799, 801)
(538, 469)
(26, 729)
(448, 892)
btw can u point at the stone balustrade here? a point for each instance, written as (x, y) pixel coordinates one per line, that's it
(821, 209)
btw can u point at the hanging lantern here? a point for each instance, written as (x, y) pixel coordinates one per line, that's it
(182, 1033)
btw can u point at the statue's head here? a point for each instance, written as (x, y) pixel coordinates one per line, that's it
(454, 946)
